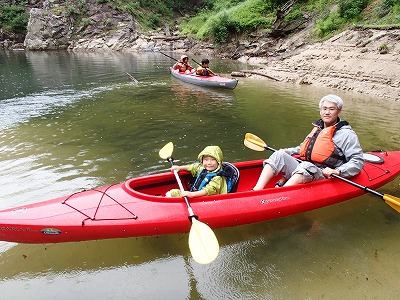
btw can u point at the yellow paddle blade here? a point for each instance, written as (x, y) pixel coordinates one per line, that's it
(203, 243)
(253, 146)
(166, 151)
(393, 201)
(251, 138)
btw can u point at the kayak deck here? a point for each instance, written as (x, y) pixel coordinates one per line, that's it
(138, 207)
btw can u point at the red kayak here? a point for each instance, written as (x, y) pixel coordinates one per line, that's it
(137, 207)
(208, 81)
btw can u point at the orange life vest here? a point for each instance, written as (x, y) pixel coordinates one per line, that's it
(183, 67)
(318, 146)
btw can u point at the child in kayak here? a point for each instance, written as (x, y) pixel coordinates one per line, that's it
(204, 70)
(183, 65)
(207, 182)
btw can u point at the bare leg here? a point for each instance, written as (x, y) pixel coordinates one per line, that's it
(295, 179)
(265, 176)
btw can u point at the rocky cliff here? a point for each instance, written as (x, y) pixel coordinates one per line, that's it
(58, 25)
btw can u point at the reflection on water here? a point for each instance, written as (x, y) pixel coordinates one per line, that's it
(74, 121)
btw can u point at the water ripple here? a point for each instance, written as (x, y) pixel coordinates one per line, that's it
(238, 273)
(21, 109)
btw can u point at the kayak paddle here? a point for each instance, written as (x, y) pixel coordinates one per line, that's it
(203, 243)
(168, 56)
(132, 78)
(255, 143)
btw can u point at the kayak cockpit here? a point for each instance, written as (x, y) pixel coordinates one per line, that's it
(159, 184)
(154, 185)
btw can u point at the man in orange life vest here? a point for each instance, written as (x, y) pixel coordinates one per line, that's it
(332, 147)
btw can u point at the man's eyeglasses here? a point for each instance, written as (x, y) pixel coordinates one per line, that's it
(331, 109)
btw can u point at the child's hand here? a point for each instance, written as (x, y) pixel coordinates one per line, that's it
(175, 168)
(193, 194)
(186, 194)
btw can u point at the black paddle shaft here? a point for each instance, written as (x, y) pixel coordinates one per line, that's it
(196, 62)
(365, 188)
(169, 56)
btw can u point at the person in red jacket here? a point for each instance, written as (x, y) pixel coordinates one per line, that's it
(183, 65)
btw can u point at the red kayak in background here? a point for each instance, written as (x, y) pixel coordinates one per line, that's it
(207, 81)
(138, 207)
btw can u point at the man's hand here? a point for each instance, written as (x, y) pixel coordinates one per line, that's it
(329, 171)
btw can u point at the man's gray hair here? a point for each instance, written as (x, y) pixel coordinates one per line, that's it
(332, 98)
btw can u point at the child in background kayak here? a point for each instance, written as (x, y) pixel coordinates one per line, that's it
(183, 65)
(207, 182)
(204, 70)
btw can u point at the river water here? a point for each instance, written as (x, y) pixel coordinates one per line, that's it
(74, 121)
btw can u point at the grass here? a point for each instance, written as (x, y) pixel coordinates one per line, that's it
(228, 18)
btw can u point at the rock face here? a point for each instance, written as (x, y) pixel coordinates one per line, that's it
(47, 30)
(90, 25)
(60, 25)
(9, 40)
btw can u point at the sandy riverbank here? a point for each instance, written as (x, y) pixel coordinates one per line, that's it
(350, 61)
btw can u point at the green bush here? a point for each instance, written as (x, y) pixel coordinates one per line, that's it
(222, 27)
(153, 20)
(329, 24)
(132, 8)
(385, 7)
(250, 15)
(164, 10)
(208, 4)
(224, 18)
(86, 21)
(351, 9)
(294, 15)
(13, 18)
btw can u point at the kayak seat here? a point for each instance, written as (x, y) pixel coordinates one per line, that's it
(232, 175)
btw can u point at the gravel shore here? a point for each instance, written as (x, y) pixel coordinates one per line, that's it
(364, 61)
